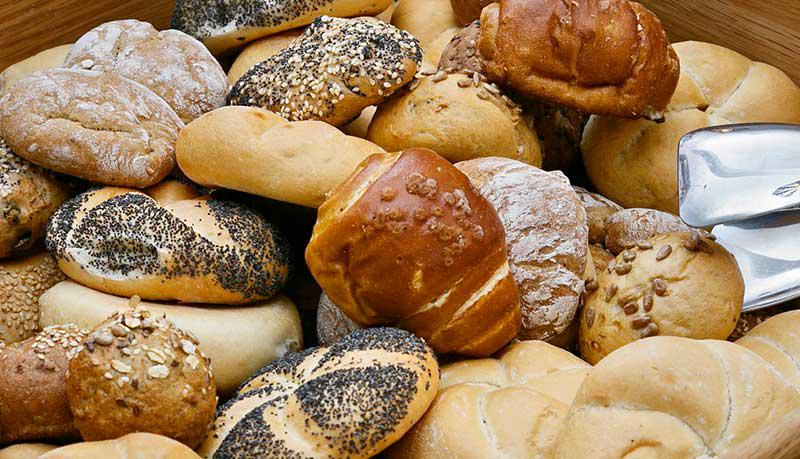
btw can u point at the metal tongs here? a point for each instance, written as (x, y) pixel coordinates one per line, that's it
(744, 180)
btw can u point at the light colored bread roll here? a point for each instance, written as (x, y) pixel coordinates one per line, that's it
(132, 446)
(776, 340)
(597, 207)
(432, 22)
(749, 320)
(359, 126)
(515, 403)
(679, 284)
(627, 227)
(332, 323)
(458, 117)
(635, 162)
(259, 51)
(546, 235)
(25, 451)
(673, 398)
(197, 250)
(407, 241)
(96, 126)
(223, 25)
(252, 150)
(330, 402)
(238, 340)
(47, 59)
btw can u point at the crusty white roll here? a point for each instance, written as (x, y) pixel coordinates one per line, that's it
(139, 445)
(673, 398)
(238, 340)
(194, 250)
(47, 59)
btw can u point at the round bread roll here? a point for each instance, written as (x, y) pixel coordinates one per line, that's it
(678, 284)
(33, 399)
(25, 451)
(432, 22)
(47, 59)
(516, 403)
(364, 61)
(776, 340)
(546, 234)
(635, 162)
(458, 117)
(330, 402)
(96, 126)
(132, 446)
(468, 10)
(751, 319)
(407, 241)
(627, 227)
(239, 341)
(259, 51)
(138, 372)
(170, 63)
(642, 401)
(569, 55)
(28, 197)
(198, 250)
(600, 257)
(223, 25)
(597, 209)
(273, 157)
(22, 282)
(332, 323)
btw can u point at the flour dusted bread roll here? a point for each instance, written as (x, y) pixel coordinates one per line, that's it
(195, 250)
(47, 59)
(33, 398)
(170, 63)
(635, 162)
(407, 241)
(627, 227)
(777, 342)
(332, 323)
(677, 284)
(223, 25)
(25, 451)
(330, 402)
(139, 445)
(96, 126)
(259, 51)
(238, 340)
(642, 401)
(432, 22)
(273, 157)
(599, 56)
(547, 238)
(597, 209)
(516, 403)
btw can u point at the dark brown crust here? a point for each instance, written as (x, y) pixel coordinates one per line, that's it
(332, 323)
(598, 207)
(625, 227)
(468, 10)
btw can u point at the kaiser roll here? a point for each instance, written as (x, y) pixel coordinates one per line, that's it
(627, 227)
(132, 446)
(259, 51)
(407, 240)
(597, 208)
(47, 59)
(776, 340)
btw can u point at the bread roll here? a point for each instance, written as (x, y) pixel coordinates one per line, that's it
(679, 284)
(642, 401)
(96, 126)
(330, 402)
(25, 451)
(432, 22)
(597, 207)
(272, 156)
(33, 400)
(223, 25)
(22, 281)
(336, 69)
(635, 162)
(199, 250)
(546, 235)
(332, 323)
(609, 57)
(47, 59)
(259, 51)
(459, 118)
(600, 257)
(777, 342)
(468, 10)
(461, 52)
(175, 66)
(407, 241)
(627, 227)
(238, 340)
(515, 404)
(751, 319)
(359, 126)
(132, 446)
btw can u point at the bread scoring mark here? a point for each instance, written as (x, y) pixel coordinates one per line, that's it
(487, 288)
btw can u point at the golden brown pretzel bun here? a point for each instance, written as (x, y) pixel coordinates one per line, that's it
(259, 51)
(407, 241)
(599, 56)
(626, 227)
(132, 446)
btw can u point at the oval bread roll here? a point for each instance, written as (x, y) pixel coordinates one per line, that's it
(132, 446)
(259, 51)
(47, 59)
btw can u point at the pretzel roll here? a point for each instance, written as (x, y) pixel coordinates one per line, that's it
(407, 241)
(676, 284)
(546, 235)
(332, 72)
(627, 227)
(673, 398)
(608, 57)
(33, 398)
(330, 402)
(139, 445)
(197, 250)
(259, 51)
(777, 342)
(498, 404)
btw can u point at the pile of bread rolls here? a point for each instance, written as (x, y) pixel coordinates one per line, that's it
(403, 185)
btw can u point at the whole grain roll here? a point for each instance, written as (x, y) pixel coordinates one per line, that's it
(330, 402)
(332, 323)
(407, 241)
(627, 227)
(432, 22)
(597, 207)
(777, 342)
(25, 451)
(546, 236)
(458, 117)
(642, 401)
(132, 446)
(677, 284)
(43, 60)
(259, 51)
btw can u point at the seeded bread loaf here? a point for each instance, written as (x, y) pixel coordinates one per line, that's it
(407, 241)
(196, 250)
(47, 59)
(33, 399)
(597, 207)
(25, 451)
(330, 402)
(627, 227)
(332, 323)
(259, 51)
(432, 22)
(132, 446)
(676, 284)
